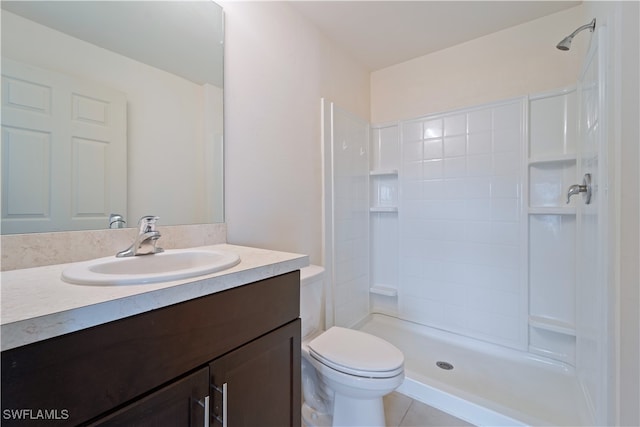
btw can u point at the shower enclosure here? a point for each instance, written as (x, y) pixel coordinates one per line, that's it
(459, 222)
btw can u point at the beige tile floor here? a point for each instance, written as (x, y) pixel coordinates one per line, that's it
(402, 411)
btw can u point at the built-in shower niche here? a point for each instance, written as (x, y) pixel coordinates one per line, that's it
(552, 286)
(552, 224)
(383, 164)
(549, 181)
(384, 229)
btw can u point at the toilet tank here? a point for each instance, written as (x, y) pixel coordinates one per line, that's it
(311, 299)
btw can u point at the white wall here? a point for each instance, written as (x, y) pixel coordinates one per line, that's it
(622, 19)
(165, 139)
(629, 285)
(509, 63)
(277, 67)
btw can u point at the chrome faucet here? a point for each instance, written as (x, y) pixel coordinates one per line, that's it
(146, 241)
(584, 188)
(575, 189)
(116, 221)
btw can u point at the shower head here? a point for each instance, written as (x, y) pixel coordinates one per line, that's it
(565, 44)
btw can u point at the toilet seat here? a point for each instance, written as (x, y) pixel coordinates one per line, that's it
(357, 353)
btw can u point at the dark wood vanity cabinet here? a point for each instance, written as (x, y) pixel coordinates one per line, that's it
(251, 380)
(181, 403)
(159, 368)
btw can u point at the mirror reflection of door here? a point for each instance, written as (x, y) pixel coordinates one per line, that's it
(166, 57)
(64, 151)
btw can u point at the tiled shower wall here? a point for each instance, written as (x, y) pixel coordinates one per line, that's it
(349, 148)
(467, 229)
(462, 240)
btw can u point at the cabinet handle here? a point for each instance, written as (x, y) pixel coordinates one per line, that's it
(224, 405)
(222, 419)
(205, 405)
(206, 411)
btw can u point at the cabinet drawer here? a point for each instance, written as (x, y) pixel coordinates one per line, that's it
(92, 371)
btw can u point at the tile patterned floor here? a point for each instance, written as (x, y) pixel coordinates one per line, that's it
(402, 411)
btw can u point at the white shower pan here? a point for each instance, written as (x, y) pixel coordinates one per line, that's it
(489, 384)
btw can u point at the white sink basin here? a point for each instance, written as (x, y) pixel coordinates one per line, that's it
(173, 264)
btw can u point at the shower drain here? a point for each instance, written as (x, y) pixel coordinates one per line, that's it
(444, 365)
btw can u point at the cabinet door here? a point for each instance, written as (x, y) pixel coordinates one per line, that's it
(181, 403)
(258, 384)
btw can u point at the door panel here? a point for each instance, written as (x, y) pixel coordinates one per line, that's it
(64, 151)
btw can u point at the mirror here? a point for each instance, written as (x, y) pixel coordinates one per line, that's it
(111, 107)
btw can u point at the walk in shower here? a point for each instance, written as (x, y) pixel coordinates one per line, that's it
(452, 236)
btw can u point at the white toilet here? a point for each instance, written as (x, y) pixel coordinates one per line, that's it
(345, 373)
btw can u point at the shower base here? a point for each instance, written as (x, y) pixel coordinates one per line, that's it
(481, 383)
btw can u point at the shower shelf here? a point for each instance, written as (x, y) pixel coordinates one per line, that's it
(557, 355)
(385, 291)
(552, 210)
(560, 158)
(383, 209)
(381, 172)
(552, 325)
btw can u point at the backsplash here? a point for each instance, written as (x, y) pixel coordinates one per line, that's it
(38, 249)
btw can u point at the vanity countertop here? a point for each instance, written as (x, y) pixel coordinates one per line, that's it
(36, 304)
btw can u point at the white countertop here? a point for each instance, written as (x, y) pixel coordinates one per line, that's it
(36, 304)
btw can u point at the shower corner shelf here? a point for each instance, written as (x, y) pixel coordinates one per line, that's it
(382, 172)
(552, 325)
(559, 158)
(546, 353)
(385, 291)
(383, 209)
(553, 210)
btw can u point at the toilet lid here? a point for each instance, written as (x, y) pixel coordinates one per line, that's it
(357, 353)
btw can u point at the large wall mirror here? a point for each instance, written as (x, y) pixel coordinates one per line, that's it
(111, 107)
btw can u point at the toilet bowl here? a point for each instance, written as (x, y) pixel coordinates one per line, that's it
(345, 373)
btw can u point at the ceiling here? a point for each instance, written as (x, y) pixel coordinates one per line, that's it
(170, 35)
(379, 34)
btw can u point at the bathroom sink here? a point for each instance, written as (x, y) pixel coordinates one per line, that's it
(173, 264)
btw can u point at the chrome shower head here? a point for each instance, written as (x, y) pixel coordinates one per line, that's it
(565, 44)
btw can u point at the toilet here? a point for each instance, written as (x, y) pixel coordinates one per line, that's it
(345, 373)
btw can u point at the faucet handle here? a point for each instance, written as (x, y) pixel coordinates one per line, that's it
(148, 223)
(584, 188)
(116, 221)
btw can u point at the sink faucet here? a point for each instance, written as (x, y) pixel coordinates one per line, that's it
(146, 241)
(116, 221)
